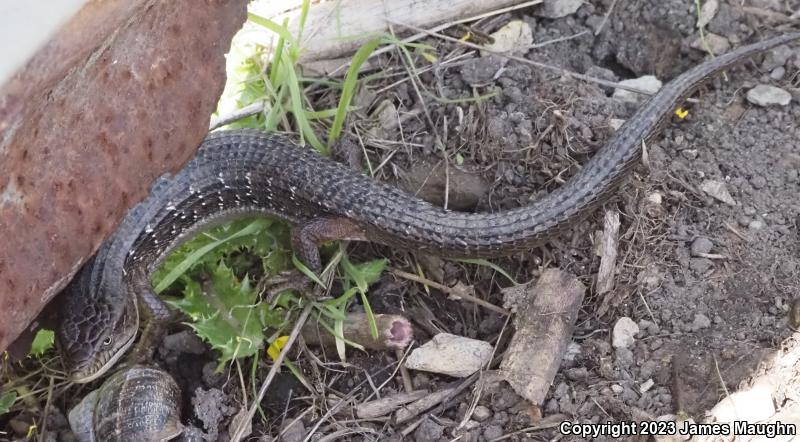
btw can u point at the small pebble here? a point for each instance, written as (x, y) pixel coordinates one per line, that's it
(700, 322)
(647, 83)
(701, 245)
(493, 432)
(755, 225)
(293, 431)
(753, 405)
(449, 354)
(428, 431)
(577, 374)
(758, 181)
(481, 413)
(718, 190)
(558, 8)
(623, 333)
(777, 73)
(689, 154)
(766, 95)
(514, 37)
(716, 43)
(624, 357)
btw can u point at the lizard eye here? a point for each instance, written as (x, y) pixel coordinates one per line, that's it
(107, 341)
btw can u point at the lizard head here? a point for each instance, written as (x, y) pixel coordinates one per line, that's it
(94, 331)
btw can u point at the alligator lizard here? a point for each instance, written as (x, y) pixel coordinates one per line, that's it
(244, 172)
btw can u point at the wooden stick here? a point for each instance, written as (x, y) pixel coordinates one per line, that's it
(544, 327)
(387, 405)
(451, 291)
(333, 29)
(394, 332)
(608, 253)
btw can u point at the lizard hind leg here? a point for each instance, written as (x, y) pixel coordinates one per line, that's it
(306, 239)
(309, 235)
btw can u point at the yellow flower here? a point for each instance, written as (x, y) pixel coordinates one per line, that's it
(276, 346)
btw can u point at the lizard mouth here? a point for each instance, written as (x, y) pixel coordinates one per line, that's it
(93, 370)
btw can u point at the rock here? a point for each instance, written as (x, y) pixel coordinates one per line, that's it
(624, 357)
(707, 13)
(493, 432)
(648, 369)
(577, 374)
(766, 95)
(777, 73)
(616, 123)
(648, 83)
(624, 331)
(557, 8)
(601, 72)
(451, 355)
(777, 57)
(210, 407)
(481, 413)
(513, 38)
(700, 322)
(717, 44)
(718, 190)
(292, 431)
(651, 328)
(758, 181)
(689, 154)
(428, 431)
(755, 225)
(617, 389)
(701, 245)
(752, 405)
(87, 106)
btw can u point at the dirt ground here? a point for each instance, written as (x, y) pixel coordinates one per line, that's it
(708, 283)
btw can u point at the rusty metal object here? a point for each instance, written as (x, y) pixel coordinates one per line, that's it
(121, 94)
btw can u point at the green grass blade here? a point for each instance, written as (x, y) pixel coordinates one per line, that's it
(298, 109)
(373, 326)
(301, 25)
(338, 335)
(192, 258)
(276, 111)
(349, 87)
(326, 113)
(495, 267)
(282, 31)
(277, 55)
(306, 271)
